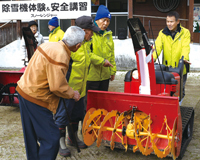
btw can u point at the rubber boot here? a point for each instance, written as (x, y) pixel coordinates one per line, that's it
(63, 150)
(70, 139)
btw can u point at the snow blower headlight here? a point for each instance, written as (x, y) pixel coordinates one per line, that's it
(135, 74)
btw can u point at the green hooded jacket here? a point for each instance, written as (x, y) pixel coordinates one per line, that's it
(102, 48)
(173, 49)
(56, 35)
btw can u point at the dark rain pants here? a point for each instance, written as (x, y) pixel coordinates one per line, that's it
(75, 110)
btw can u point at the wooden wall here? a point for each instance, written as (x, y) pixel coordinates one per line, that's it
(147, 8)
(8, 33)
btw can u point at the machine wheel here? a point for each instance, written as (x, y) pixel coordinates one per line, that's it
(143, 142)
(9, 90)
(90, 131)
(107, 118)
(87, 116)
(155, 139)
(11, 95)
(120, 123)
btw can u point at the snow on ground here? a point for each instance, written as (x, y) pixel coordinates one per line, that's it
(11, 55)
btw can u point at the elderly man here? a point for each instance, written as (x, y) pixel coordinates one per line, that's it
(77, 77)
(100, 75)
(40, 88)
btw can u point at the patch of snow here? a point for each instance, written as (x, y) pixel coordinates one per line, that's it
(11, 55)
(124, 54)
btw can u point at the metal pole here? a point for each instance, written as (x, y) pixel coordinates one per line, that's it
(12, 31)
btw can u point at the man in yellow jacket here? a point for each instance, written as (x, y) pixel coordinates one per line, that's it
(77, 78)
(56, 33)
(40, 88)
(174, 41)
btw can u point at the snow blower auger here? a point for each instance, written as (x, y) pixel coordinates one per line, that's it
(147, 117)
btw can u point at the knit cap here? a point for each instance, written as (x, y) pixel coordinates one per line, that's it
(31, 23)
(102, 12)
(54, 22)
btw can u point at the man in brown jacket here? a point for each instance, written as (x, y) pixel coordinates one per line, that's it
(40, 88)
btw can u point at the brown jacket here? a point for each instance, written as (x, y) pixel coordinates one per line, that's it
(44, 80)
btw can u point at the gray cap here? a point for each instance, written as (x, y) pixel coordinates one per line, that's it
(86, 22)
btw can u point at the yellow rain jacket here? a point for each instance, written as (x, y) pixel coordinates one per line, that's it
(103, 48)
(173, 49)
(56, 35)
(81, 62)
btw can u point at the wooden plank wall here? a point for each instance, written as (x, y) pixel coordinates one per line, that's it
(147, 8)
(8, 33)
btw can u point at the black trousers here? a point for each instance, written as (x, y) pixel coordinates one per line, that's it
(96, 85)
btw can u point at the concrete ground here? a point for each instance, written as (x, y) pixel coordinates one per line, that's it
(12, 142)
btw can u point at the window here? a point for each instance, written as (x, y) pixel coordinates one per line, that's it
(43, 25)
(64, 24)
(117, 5)
(95, 8)
(119, 13)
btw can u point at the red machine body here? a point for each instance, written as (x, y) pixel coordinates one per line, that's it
(152, 92)
(158, 104)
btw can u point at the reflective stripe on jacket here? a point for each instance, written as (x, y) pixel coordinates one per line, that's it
(103, 48)
(56, 35)
(173, 49)
(81, 62)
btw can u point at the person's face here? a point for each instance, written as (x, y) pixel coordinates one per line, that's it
(103, 23)
(172, 23)
(51, 27)
(88, 34)
(33, 28)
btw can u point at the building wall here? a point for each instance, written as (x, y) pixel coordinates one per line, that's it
(148, 9)
(8, 33)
